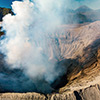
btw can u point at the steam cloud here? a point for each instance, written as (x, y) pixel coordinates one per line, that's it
(26, 43)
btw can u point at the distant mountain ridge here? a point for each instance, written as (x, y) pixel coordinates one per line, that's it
(83, 9)
(83, 14)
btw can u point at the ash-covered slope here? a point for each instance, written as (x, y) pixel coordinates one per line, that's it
(77, 49)
(71, 41)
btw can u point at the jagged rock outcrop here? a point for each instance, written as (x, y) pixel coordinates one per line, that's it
(90, 93)
(23, 96)
(4, 11)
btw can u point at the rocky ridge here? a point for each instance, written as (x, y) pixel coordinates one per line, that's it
(90, 93)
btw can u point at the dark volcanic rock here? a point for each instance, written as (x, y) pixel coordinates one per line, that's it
(4, 11)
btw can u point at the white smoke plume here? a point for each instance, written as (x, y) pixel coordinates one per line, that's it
(25, 45)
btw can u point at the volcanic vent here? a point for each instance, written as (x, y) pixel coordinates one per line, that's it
(28, 46)
(39, 54)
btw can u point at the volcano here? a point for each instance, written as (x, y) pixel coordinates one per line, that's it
(83, 9)
(43, 58)
(78, 52)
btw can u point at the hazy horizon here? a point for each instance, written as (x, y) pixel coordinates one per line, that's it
(72, 4)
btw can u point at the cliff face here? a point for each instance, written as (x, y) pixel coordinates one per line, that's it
(90, 93)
